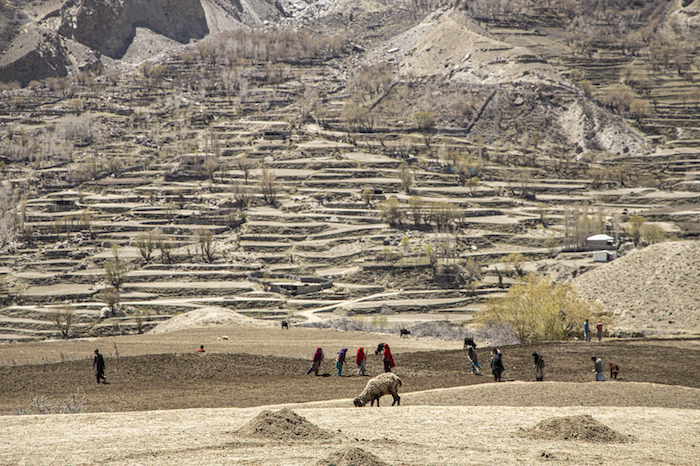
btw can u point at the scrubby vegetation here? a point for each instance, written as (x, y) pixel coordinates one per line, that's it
(538, 310)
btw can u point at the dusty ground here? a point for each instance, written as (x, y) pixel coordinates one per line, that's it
(166, 404)
(266, 365)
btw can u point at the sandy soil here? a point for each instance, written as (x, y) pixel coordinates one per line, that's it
(411, 435)
(166, 404)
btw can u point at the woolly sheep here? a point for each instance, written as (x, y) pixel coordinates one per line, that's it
(383, 384)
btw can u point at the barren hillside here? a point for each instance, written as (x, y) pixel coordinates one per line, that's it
(650, 290)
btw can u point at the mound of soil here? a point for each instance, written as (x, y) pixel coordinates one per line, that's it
(352, 456)
(282, 425)
(206, 317)
(582, 427)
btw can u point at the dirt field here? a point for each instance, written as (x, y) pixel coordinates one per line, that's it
(447, 415)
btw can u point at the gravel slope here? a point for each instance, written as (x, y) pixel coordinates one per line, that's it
(650, 290)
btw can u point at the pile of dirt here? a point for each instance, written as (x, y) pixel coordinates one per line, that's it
(351, 456)
(207, 317)
(282, 425)
(653, 289)
(582, 427)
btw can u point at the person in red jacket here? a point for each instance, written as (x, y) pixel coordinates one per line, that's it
(388, 359)
(361, 360)
(316, 362)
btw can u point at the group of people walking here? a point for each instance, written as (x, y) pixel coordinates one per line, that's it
(360, 360)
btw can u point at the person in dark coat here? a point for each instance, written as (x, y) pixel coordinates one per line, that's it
(496, 365)
(99, 365)
(539, 367)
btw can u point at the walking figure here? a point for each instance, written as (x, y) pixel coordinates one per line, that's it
(586, 331)
(539, 367)
(496, 365)
(99, 365)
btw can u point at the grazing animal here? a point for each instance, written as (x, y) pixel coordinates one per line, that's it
(224, 337)
(379, 349)
(285, 325)
(614, 369)
(403, 332)
(383, 384)
(469, 342)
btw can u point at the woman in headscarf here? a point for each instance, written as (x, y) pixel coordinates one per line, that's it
(340, 360)
(316, 364)
(361, 360)
(388, 359)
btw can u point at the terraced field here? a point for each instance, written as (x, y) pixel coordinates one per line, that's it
(242, 198)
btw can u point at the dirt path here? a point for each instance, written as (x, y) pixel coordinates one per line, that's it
(310, 314)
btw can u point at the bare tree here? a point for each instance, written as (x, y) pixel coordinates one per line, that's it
(146, 244)
(62, 318)
(406, 177)
(416, 204)
(269, 186)
(245, 165)
(115, 270)
(164, 245)
(140, 316)
(242, 194)
(111, 297)
(205, 243)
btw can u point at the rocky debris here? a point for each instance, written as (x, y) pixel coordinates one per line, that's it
(582, 427)
(283, 425)
(562, 273)
(654, 288)
(351, 456)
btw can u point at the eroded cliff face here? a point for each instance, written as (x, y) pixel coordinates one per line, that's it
(36, 54)
(109, 26)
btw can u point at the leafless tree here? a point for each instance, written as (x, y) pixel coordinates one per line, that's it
(111, 297)
(62, 318)
(205, 243)
(242, 194)
(269, 186)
